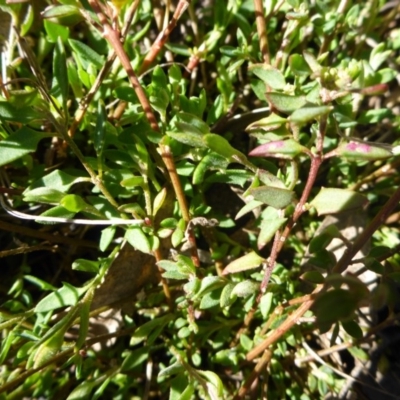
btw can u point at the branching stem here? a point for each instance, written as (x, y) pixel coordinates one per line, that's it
(113, 37)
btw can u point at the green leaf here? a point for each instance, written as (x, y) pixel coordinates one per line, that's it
(84, 315)
(62, 14)
(322, 259)
(209, 284)
(266, 304)
(60, 78)
(27, 21)
(334, 305)
(363, 151)
(150, 330)
(353, 329)
(86, 265)
(269, 75)
(313, 277)
(43, 285)
(138, 239)
(74, 81)
(209, 300)
(133, 181)
(246, 288)
(384, 75)
(173, 273)
(100, 129)
(107, 235)
(249, 261)
(74, 203)
(322, 240)
(173, 369)
(210, 162)
(57, 211)
(184, 332)
(82, 391)
(274, 197)
(359, 353)
(378, 56)
(6, 345)
(312, 62)
(230, 176)
(86, 54)
(250, 206)
(181, 389)
(55, 31)
(177, 236)
(23, 98)
(269, 179)
(187, 120)
(188, 135)
(58, 180)
(286, 103)
(135, 358)
(333, 200)
(267, 124)
(374, 116)
(271, 222)
(306, 114)
(227, 299)
(180, 49)
(299, 66)
(67, 295)
(17, 145)
(48, 349)
(357, 287)
(43, 195)
(288, 148)
(214, 384)
(221, 146)
(126, 93)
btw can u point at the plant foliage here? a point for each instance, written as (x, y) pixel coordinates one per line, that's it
(198, 199)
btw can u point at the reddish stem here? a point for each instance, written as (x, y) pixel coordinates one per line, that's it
(163, 36)
(113, 37)
(262, 30)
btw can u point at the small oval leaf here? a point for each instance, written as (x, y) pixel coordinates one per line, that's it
(249, 261)
(269, 75)
(363, 151)
(286, 103)
(274, 197)
(245, 288)
(279, 148)
(332, 201)
(306, 114)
